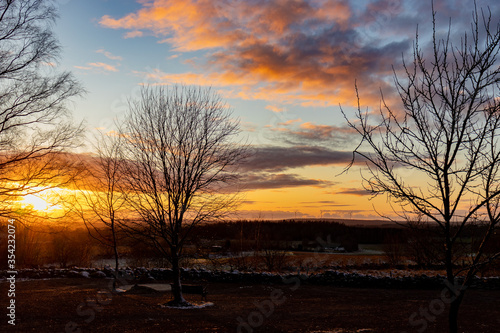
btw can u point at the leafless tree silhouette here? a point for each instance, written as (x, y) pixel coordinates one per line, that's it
(180, 158)
(101, 199)
(34, 121)
(447, 135)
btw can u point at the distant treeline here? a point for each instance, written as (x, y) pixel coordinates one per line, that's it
(292, 230)
(423, 237)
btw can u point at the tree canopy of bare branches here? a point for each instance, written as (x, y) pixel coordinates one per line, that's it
(34, 121)
(101, 199)
(439, 156)
(181, 154)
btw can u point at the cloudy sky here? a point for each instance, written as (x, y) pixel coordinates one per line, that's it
(284, 66)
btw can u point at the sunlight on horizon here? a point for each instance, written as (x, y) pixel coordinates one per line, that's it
(38, 203)
(45, 200)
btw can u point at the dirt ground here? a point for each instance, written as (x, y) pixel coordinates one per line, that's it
(87, 305)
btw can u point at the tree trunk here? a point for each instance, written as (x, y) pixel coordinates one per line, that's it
(453, 312)
(454, 305)
(453, 317)
(115, 248)
(176, 286)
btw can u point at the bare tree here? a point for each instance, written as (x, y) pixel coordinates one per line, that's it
(181, 157)
(447, 135)
(101, 199)
(34, 121)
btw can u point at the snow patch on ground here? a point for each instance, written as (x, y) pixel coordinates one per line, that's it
(155, 286)
(120, 290)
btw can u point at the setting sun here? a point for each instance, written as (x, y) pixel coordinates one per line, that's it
(37, 202)
(43, 201)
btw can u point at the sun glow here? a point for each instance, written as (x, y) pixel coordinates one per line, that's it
(45, 200)
(37, 202)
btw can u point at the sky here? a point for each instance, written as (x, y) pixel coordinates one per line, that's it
(284, 67)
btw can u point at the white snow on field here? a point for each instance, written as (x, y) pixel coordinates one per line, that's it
(120, 290)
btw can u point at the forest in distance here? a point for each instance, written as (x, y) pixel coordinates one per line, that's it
(258, 244)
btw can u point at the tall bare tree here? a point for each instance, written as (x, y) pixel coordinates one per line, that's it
(447, 135)
(101, 199)
(34, 121)
(181, 155)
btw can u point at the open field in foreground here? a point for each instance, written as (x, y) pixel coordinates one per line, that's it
(86, 305)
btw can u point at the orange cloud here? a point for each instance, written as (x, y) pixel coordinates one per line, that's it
(288, 51)
(133, 34)
(100, 66)
(186, 23)
(109, 55)
(275, 108)
(289, 122)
